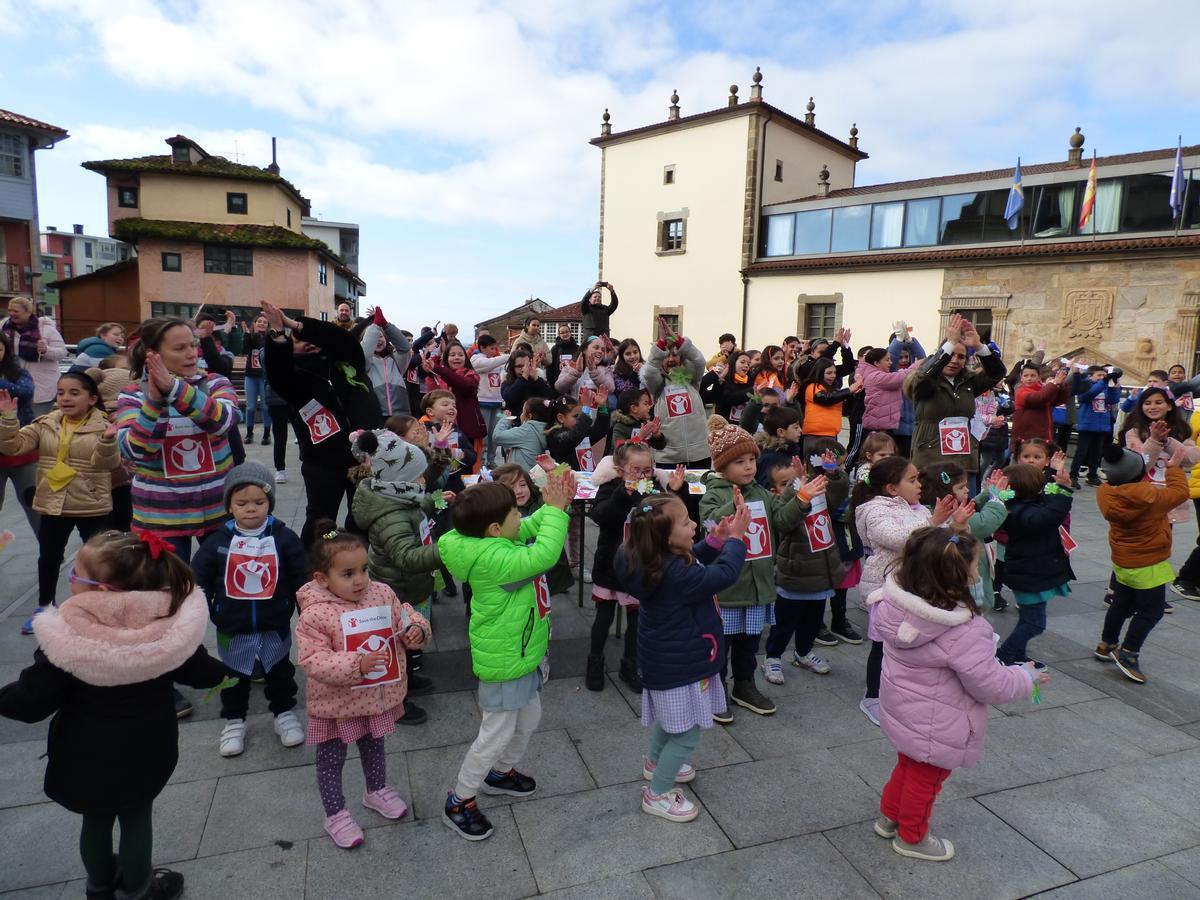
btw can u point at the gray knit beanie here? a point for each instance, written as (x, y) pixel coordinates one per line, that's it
(251, 472)
(1121, 465)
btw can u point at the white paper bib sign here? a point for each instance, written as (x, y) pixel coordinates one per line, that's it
(1156, 473)
(819, 525)
(954, 437)
(565, 360)
(678, 400)
(370, 631)
(1185, 402)
(494, 380)
(322, 424)
(583, 453)
(541, 593)
(1098, 404)
(758, 535)
(1068, 542)
(427, 530)
(254, 360)
(186, 450)
(735, 413)
(251, 568)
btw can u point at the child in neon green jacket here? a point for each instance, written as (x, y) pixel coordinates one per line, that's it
(509, 632)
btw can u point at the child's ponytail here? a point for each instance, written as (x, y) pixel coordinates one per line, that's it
(142, 561)
(885, 472)
(938, 565)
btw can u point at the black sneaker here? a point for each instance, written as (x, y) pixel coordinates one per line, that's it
(183, 708)
(629, 675)
(413, 715)
(451, 589)
(1186, 590)
(593, 680)
(1108, 597)
(1075, 484)
(466, 819)
(163, 885)
(419, 684)
(266, 441)
(724, 718)
(1094, 482)
(1168, 608)
(1128, 664)
(844, 631)
(826, 638)
(249, 437)
(999, 604)
(1037, 664)
(746, 694)
(512, 783)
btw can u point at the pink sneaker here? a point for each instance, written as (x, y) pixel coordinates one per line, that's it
(344, 830)
(672, 806)
(685, 774)
(386, 802)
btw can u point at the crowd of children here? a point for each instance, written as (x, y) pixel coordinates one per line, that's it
(778, 518)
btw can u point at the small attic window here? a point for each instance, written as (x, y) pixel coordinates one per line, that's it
(779, 170)
(179, 154)
(668, 174)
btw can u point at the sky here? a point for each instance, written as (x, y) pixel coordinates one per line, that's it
(456, 134)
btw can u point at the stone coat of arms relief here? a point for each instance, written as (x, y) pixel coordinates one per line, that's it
(1087, 314)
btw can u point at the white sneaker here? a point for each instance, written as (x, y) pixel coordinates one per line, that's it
(773, 670)
(587, 576)
(289, 729)
(280, 476)
(810, 661)
(233, 738)
(869, 706)
(685, 774)
(672, 806)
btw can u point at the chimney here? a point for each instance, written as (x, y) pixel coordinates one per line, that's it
(52, 228)
(273, 168)
(756, 89)
(605, 124)
(673, 109)
(854, 136)
(823, 181)
(78, 229)
(1075, 154)
(810, 117)
(733, 100)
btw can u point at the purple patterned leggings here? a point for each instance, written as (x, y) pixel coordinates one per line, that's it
(331, 758)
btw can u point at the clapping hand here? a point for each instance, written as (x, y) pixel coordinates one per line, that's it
(792, 391)
(586, 397)
(600, 396)
(813, 487)
(8, 403)
(560, 489)
(997, 481)
(650, 429)
(443, 433)
(857, 385)
(1160, 431)
(943, 510)
(733, 527)
(678, 478)
(159, 379)
(1177, 458)
(546, 462)
(1058, 461)
(962, 513)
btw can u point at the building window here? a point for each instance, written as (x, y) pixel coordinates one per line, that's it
(12, 156)
(322, 272)
(220, 259)
(48, 265)
(87, 249)
(178, 310)
(820, 320)
(851, 227)
(981, 319)
(172, 262)
(68, 272)
(289, 217)
(127, 197)
(779, 170)
(921, 222)
(91, 269)
(887, 225)
(236, 204)
(671, 236)
(672, 315)
(780, 235)
(668, 174)
(124, 253)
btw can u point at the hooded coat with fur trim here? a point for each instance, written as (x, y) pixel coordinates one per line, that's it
(940, 672)
(105, 666)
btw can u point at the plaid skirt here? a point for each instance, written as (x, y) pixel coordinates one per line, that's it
(350, 730)
(747, 619)
(680, 709)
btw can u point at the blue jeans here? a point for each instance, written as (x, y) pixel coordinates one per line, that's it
(1031, 621)
(255, 394)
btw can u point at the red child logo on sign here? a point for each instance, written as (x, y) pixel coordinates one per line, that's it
(251, 568)
(494, 380)
(818, 525)
(322, 424)
(583, 454)
(186, 450)
(541, 593)
(369, 630)
(679, 401)
(758, 535)
(954, 436)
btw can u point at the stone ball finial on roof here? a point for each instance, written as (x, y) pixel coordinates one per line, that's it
(1077, 138)
(606, 117)
(854, 129)
(757, 78)
(810, 106)
(674, 96)
(733, 89)
(823, 175)
(733, 97)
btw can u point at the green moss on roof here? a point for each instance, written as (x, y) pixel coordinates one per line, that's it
(210, 233)
(209, 167)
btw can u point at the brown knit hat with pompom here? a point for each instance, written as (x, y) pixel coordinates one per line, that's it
(726, 442)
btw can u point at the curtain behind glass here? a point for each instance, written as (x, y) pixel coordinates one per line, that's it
(1106, 214)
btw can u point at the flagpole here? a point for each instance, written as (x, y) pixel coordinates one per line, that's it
(1183, 197)
(1096, 197)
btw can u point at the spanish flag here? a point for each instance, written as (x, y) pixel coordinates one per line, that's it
(1089, 196)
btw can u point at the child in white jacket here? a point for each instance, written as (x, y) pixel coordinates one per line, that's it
(489, 362)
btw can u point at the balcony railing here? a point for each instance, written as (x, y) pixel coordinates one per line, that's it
(10, 278)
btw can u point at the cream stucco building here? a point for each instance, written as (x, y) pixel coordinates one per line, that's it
(747, 219)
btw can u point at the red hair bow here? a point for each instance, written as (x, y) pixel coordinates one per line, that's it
(155, 543)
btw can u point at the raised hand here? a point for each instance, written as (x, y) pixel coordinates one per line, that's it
(1058, 461)
(546, 462)
(8, 403)
(587, 397)
(739, 502)
(427, 364)
(1177, 458)
(962, 513)
(814, 487)
(601, 396)
(954, 329)
(792, 391)
(998, 480)
(943, 510)
(158, 376)
(560, 489)
(1160, 431)
(273, 313)
(111, 431)
(678, 478)
(733, 526)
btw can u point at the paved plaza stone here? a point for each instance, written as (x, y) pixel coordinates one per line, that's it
(1091, 794)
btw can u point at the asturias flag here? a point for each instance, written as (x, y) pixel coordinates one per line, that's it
(1177, 182)
(1016, 199)
(1089, 196)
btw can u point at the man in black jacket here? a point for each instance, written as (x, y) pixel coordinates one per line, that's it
(567, 346)
(595, 313)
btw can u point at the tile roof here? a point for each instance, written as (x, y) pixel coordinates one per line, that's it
(999, 251)
(13, 118)
(208, 232)
(1006, 173)
(209, 166)
(572, 312)
(727, 112)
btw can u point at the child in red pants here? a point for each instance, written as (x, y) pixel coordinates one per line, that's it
(928, 616)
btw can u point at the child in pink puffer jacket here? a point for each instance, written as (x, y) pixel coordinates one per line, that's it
(940, 672)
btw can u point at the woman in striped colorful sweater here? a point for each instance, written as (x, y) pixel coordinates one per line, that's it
(173, 422)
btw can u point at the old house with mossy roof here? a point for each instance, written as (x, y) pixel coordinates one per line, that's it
(209, 232)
